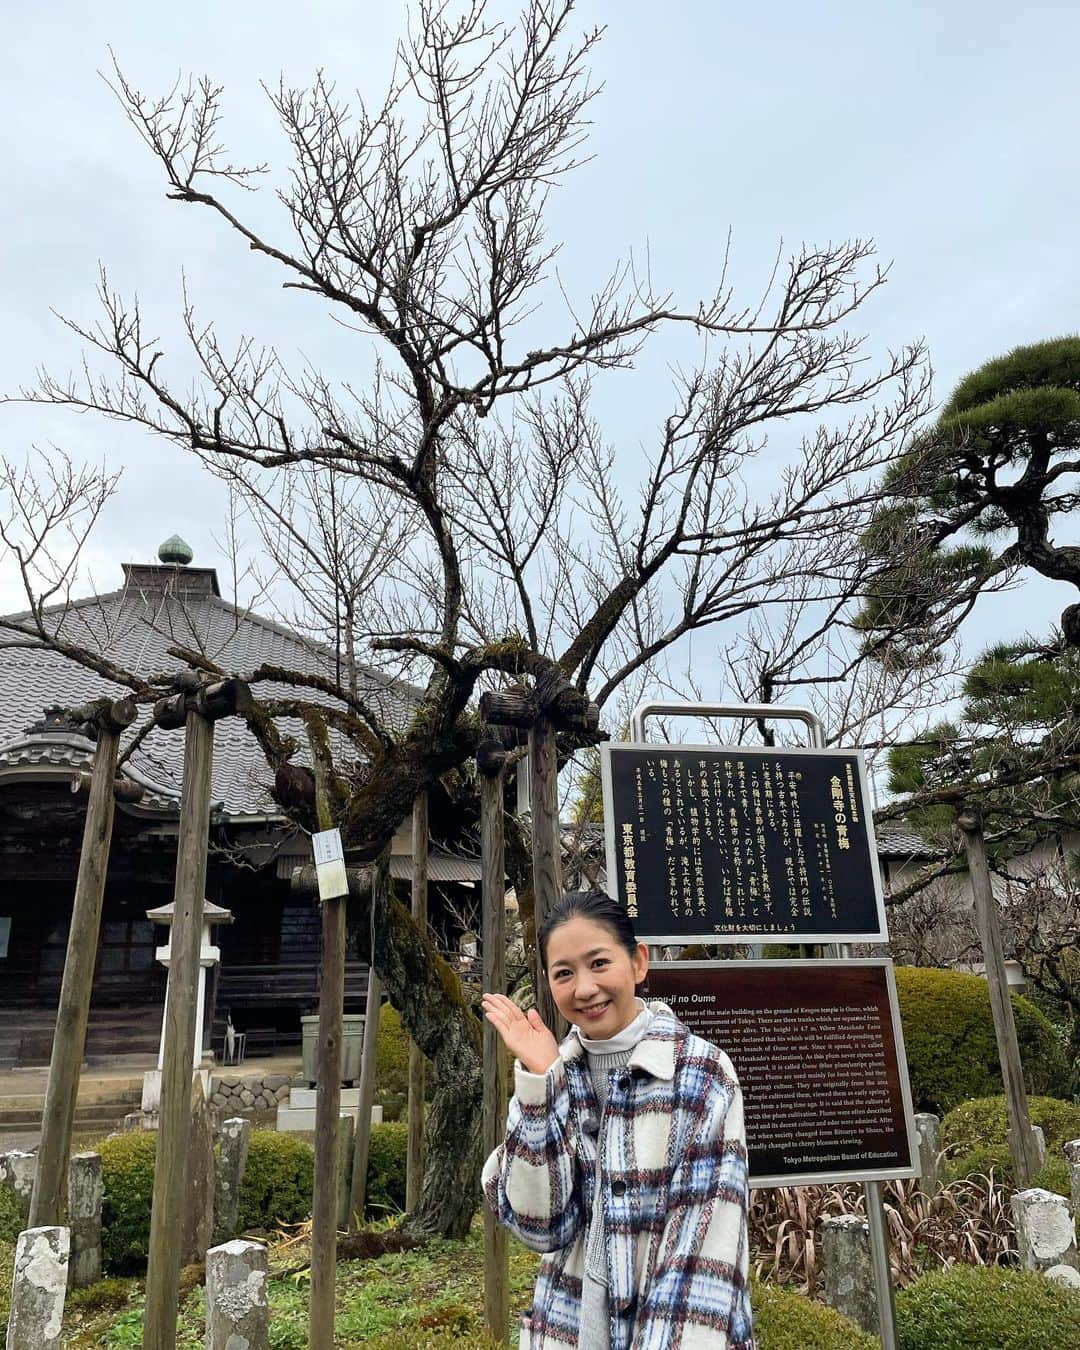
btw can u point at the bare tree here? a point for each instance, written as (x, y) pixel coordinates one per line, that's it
(455, 516)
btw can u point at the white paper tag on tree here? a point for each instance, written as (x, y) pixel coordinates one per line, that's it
(329, 864)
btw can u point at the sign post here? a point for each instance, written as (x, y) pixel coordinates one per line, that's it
(740, 844)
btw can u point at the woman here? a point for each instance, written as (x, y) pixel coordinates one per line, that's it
(624, 1159)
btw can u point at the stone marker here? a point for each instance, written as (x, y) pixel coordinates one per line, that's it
(198, 1218)
(17, 1170)
(38, 1289)
(346, 1126)
(232, 1161)
(928, 1131)
(1040, 1143)
(1069, 1276)
(1045, 1234)
(847, 1270)
(1072, 1157)
(133, 1122)
(237, 1310)
(85, 1191)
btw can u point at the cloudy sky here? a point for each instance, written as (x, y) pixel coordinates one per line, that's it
(945, 131)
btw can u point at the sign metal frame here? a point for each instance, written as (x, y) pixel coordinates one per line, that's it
(880, 934)
(830, 1177)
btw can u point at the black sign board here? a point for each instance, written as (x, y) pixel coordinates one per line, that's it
(742, 844)
(818, 1049)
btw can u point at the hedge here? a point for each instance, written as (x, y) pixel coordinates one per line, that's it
(127, 1170)
(276, 1189)
(950, 1044)
(391, 1064)
(784, 1320)
(386, 1168)
(983, 1121)
(278, 1180)
(978, 1132)
(987, 1308)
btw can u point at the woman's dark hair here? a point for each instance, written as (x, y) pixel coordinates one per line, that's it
(595, 905)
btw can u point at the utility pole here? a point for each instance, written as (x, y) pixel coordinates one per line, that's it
(109, 719)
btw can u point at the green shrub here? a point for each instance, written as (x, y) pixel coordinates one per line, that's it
(1052, 1176)
(392, 1064)
(278, 1180)
(978, 1131)
(987, 1308)
(386, 1168)
(7, 1270)
(127, 1170)
(784, 1320)
(984, 1121)
(950, 1043)
(12, 1214)
(100, 1297)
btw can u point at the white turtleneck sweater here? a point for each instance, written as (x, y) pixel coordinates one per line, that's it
(604, 1057)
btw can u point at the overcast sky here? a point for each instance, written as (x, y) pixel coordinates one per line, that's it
(946, 131)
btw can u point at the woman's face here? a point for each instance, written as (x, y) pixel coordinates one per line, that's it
(592, 976)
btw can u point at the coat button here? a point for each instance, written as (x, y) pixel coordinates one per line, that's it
(618, 1188)
(624, 1082)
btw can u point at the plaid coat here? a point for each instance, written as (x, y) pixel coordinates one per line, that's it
(673, 1175)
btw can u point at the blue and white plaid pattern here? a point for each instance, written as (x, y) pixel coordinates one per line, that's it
(675, 1193)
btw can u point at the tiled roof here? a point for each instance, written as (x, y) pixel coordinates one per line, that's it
(896, 841)
(134, 627)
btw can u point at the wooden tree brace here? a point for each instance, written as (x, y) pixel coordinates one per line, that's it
(491, 757)
(361, 880)
(554, 697)
(105, 714)
(124, 789)
(223, 698)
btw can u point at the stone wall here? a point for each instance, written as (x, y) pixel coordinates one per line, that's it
(240, 1094)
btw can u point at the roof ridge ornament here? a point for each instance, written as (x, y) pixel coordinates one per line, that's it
(175, 550)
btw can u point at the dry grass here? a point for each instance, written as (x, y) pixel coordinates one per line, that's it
(966, 1222)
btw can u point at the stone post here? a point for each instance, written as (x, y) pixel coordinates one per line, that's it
(17, 1170)
(1072, 1157)
(847, 1270)
(928, 1131)
(38, 1289)
(237, 1309)
(1045, 1234)
(232, 1161)
(344, 1168)
(1040, 1144)
(85, 1193)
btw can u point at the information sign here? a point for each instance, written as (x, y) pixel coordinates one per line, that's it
(742, 844)
(819, 1052)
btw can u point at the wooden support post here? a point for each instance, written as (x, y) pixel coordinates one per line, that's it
(1022, 1144)
(414, 1158)
(69, 1038)
(362, 1138)
(170, 1171)
(327, 1099)
(491, 761)
(546, 851)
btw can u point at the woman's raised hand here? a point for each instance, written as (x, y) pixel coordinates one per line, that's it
(523, 1034)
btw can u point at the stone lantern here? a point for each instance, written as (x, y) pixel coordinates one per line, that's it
(209, 956)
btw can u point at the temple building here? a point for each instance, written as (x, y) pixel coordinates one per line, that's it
(268, 974)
